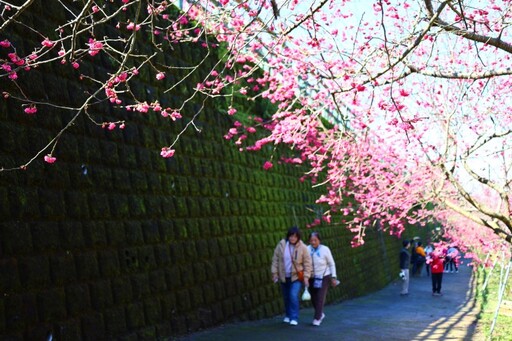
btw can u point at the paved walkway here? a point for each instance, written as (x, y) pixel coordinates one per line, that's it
(383, 315)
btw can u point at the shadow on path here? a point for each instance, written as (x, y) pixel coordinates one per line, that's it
(383, 315)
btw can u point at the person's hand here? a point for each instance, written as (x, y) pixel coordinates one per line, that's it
(334, 282)
(275, 279)
(306, 282)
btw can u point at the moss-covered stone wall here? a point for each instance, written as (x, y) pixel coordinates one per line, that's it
(115, 242)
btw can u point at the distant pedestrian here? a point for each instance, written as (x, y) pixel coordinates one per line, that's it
(428, 251)
(420, 259)
(405, 259)
(437, 266)
(324, 275)
(291, 265)
(452, 260)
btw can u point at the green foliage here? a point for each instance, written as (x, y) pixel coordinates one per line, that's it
(487, 300)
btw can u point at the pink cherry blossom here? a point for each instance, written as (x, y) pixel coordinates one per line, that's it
(167, 152)
(30, 110)
(47, 43)
(160, 76)
(49, 158)
(267, 165)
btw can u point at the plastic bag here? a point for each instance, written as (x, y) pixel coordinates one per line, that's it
(306, 296)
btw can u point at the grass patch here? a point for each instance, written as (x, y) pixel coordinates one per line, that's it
(487, 299)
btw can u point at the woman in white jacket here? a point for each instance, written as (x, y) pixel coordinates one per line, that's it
(324, 274)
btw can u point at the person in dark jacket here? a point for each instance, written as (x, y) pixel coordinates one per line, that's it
(405, 260)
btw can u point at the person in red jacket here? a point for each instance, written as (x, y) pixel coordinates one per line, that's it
(437, 268)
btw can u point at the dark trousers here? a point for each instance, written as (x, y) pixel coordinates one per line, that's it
(450, 264)
(318, 295)
(436, 282)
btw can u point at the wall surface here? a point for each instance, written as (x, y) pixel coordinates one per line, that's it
(113, 241)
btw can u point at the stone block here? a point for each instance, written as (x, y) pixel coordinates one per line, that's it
(173, 277)
(213, 248)
(138, 181)
(67, 330)
(129, 259)
(45, 236)
(119, 207)
(115, 321)
(151, 232)
(99, 206)
(109, 263)
(157, 281)
(163, 330)
(122, 290)
(187, 275)
(146, 257)
(9, 274)
(179, 324)
(148, 333)
(220, 291)
(51, 305)
(180, 206)
(133, 233)
(93, 326)
(115, 233)
(167, 231)
(177, 252)
(34, 272)
(152, 311)
(135, 315)
(196, 296)
(162, 255)
(52, 204)
(183, 301)
(77, 205)
(94, 234)
(137, 206)
(101, 294)
(71, 235)
(87, 265)
(202, 249)
(227, 308)
(168, 305)
(62, 268)
(77, 299)
(140, 286)
(15, 238)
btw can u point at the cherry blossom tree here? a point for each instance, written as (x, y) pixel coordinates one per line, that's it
(399, 109)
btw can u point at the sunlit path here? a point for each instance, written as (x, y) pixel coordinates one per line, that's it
(383, 315)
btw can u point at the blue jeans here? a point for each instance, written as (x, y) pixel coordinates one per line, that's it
(291, 298)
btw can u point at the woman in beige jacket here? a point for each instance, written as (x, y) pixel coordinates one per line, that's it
(291, 257)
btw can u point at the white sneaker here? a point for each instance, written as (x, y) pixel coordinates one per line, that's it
(322, 318)
(293, 323)
(286, 320)
(451, 271)
(316, 322)
(457, 271)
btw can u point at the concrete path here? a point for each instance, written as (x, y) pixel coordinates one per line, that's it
(383, 315)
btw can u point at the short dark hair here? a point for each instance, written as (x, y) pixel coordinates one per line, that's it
(293, 230)
(419, 243)
(315, 234)
(405, 243)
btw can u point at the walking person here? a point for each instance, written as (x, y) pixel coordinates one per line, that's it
(420, 259)
(324, 275)
(437, 267)
(428, 251)
(291, 266)
(452, 260)
(405, 259)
